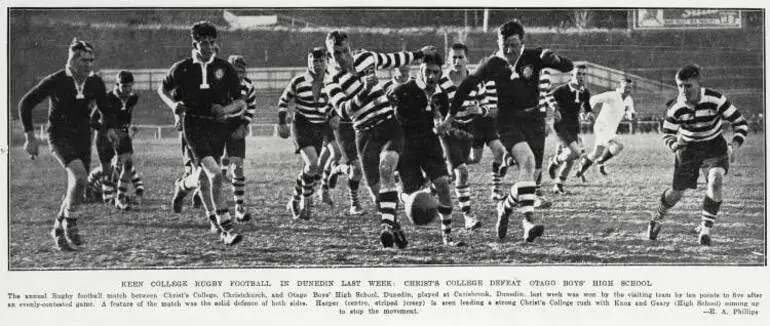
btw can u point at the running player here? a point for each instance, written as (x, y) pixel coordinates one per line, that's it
(417, 104)
(309, 127)
(606, 145)
(693, 131)
(516, 72)
(356, 95)
(567, 101)
(205, 89)
(70, 90)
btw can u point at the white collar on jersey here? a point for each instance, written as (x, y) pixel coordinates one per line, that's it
(575, 89)
(421, 84)
(197, 59)
(117, 92)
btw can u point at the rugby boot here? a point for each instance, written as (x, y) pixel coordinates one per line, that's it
(552, 167)
(71, 232)
(558, 189)
(306, 207)
(356, 210)
(213, 225)
(228, 235)
(293, 207)
(58, 238)
(653, 229)
(179, 194)
(531, 230)
(241, 214)
(502, 220)
(704, 236)
(602, 170)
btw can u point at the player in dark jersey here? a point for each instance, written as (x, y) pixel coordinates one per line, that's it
(516, 73)
(205, 89)
(418, 103)
(123, 100)
(693, 131)
(567, 101)
(356, 94)
(70, 91)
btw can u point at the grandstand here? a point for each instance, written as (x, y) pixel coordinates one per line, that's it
(147, 41)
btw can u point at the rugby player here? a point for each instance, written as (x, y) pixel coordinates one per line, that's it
(205, 89)
(693, 131)
(521, 126)
(356, 95)
(71, 91)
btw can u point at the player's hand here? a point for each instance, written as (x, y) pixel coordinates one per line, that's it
(30, 145)
(132, 131)
(474, 110)
(369, 81)
(549, 57)
(112, 136)
(334, 122)
(443, 127)
(428, 50)
(218, 111)
(732, 152)
(240, 132)
(180, 108)
(283, 131)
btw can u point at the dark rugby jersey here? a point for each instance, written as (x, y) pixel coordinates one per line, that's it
(124, 108)
(569, 101)
(220, 85)
(66, 112)
(703, 121)
(414, 110)
(517, 87)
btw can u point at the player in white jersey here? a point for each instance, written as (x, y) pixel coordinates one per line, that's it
(612, 109)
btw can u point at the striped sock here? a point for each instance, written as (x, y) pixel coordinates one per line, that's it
(297, 189)
(445, 212)
(538, 180)
(108, 189)
(353, 192)
(663, 208)
(388, 205)
(122, 189)
(710, 211)
(496, 177)
(308, 181)
(526, 191)
(512, 200)
(464, 198)
(223, 219)
(325, 176)
(136, 180)
(239, 182)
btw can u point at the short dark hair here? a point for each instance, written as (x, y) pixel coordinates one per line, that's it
(627, 80)
(203, 29)
(124, 77)
(460, 46)
(434, 58)
(336, 37)
(688, 71)
(317, 52)
(78, 45)
(511, 27)
(581, 66)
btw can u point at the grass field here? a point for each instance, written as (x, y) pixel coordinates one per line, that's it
(600, 222)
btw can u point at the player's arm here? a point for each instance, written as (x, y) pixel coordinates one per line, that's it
(552, 106)
(251, 104)
(283, 108)
(490, 98)
(670, 130)
(132, 101)
(482, 73)
(106, 110)
(28, 102)
(390, 60)
(343, 104)
(551, 60)
(740, 126)
(237, 105)
(164, 92)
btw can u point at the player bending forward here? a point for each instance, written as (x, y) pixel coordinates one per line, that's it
(693, 131)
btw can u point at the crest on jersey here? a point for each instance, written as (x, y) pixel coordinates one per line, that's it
(219, 73)
(527, 71)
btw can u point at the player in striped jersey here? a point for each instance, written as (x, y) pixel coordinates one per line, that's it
(693, 131)
(516, 73)
(309, 127)
(355, 93)
(606, 145)
(235, 147)
(457, 145)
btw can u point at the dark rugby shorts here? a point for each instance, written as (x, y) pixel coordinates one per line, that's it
(69, 146)
(422, 152)
(307, 134)
(457, 149)
(386, 136)
(695, 156)
(567, 133)
(530, 131)
(205, 137)
(484, 131)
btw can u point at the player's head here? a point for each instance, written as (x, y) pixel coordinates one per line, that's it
(239, 63)
(204, 35)
(458, 53)
(125, 81)
(338, 47)
(579, 75)
(688, 82)
(316, 60)
(430, 69)
(401, 74)
(80, 57)
(510, 39)
(626, 86)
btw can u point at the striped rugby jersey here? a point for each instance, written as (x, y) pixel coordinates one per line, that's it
(249, 95)
(703, 121)
(544, 87)
(344, 89)
(301, 90)
(477, 97)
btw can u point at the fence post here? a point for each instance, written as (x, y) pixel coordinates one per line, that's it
(158, 132)
(275, 130)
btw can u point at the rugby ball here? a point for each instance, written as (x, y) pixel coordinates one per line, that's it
(421, 208)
